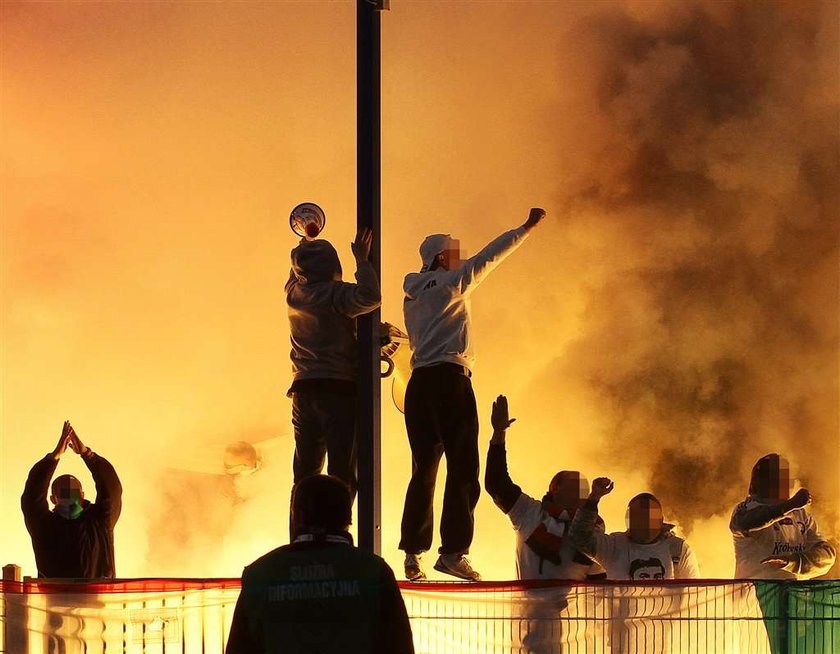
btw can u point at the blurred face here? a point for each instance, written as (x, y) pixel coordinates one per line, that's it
(66, 490)
(774, 483)
(644, 520)
(450, 259)
(570, 490)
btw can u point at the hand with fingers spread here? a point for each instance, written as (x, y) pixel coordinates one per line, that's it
(63, 440)
(600, 486)
(362, 244)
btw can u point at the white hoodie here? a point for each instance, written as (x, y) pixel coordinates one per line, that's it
(437, 302)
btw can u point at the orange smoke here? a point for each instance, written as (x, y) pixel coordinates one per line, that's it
(673, 320)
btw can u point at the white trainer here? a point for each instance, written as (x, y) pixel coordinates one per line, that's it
(457, 565)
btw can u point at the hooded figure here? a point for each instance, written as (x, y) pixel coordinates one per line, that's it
(775, 536)
(75, 539)
(440, 412)
(322, 321)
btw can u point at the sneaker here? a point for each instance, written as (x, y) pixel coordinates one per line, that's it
(413, 571)
(457, 565)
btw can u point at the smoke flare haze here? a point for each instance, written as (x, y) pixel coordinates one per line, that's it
(674, 318)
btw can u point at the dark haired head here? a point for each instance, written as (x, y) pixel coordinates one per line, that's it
(770, 478)
(66, 489)
(567, 489)
(644, 518)
(321, 505)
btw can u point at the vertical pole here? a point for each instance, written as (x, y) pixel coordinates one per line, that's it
(368, 215)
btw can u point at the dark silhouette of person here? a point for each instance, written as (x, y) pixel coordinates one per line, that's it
(440, 411)
(322, 321)
(320, 593)
(76, 538)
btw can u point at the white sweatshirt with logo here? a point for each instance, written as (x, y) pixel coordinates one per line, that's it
(437, 304)
(760, 532)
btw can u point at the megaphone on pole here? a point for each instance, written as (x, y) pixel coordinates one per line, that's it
(307, 220)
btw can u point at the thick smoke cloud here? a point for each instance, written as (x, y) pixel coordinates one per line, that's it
(703, 149)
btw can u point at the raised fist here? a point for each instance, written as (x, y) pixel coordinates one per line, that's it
(534, 216)
(800, 498)
(601, 486)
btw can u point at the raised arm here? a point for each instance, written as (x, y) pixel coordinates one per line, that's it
(585, 537)
(748, 518)
(497, 481)
(33, 502)
(108, 487)
(364, 296)
(475, 269)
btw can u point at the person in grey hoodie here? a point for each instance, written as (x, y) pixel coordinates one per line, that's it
(322, 319)
(440, 410)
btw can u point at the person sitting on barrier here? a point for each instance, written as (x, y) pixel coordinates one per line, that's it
(76, 538)
(319, 593)
(543, 547)
(648, 542)
(775, 535)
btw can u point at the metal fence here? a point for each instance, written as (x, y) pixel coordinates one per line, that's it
(168, 616)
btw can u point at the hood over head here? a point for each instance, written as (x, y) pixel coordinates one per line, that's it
(431, 247)
(316, 261)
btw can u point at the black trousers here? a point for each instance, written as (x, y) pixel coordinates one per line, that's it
(325, 427)
(441, 419)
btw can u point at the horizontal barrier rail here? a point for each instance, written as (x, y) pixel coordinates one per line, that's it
(183, 616)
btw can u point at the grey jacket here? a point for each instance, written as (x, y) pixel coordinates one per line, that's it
(323, 309)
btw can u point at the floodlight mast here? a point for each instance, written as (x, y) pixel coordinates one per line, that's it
(368, 207)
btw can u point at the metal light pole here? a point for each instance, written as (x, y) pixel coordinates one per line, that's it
(368, 180)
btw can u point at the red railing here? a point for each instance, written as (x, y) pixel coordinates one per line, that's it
(193, 615)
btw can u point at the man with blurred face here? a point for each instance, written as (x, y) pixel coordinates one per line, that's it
(76, 538)
(775, 536)
(647, 540)
(543, 547)
(440, 411)
(320, 594)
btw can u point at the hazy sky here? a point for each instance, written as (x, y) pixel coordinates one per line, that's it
(673, 319)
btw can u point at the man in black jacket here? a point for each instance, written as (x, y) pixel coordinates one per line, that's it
(76, 538)
(320, 594)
